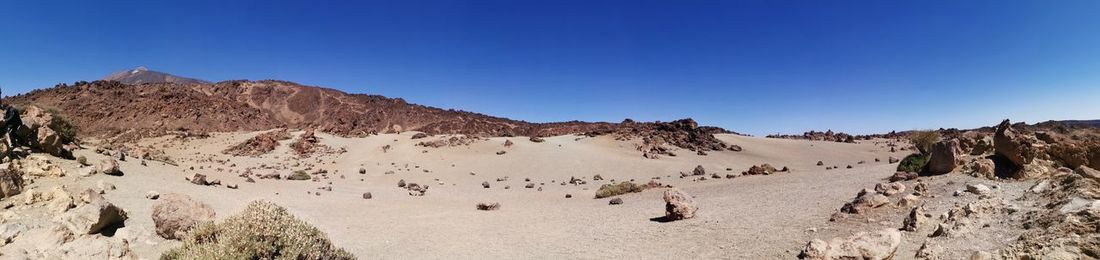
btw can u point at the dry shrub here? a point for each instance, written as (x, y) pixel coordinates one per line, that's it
(262, 231)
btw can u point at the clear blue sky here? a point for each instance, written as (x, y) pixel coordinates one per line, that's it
(752, 66)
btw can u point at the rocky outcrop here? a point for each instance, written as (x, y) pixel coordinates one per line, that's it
(679, 205)
(176, 214)
(944, 157)
(38, 132)
(878, 245)
(1015, 147)
(260, 144)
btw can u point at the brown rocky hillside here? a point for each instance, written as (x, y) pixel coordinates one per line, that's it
(112, 108)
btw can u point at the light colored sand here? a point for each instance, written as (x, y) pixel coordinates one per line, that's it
(742, 218)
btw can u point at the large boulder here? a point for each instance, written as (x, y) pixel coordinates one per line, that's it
(943, 157)
(879, 245)
(11, 181)
(1015, 147)
(679, 205)
(94, 215)
(176, 214)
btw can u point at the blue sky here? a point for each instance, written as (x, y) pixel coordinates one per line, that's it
(757, 67)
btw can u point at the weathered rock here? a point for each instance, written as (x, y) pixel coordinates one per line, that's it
(903, 176)
(488, 206)
(763, 169)
(980, 167)
(39, 166)
(615, 201)
(367, 195)
(11, 181)
(879, 245)
(199, 179)
(889, 189)
(679, 205)
(865, 200)
(1016, 147)
(176, 214)
(153, 195)
(981, 147)
(699, 170)
(893, 160)
(944, 157)
(108, 166)
(908, 200)
(94, 216)
(979, 189)
(914, 220)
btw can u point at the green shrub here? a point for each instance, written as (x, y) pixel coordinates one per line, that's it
(608, 190)
(262, 231)
(82, 160)
(65, 129)
(299, 175)
(923, 140)
(913, 163)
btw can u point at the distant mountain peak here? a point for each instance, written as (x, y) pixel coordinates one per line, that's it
(142, 75)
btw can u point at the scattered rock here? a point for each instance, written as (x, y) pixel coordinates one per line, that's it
(199, 179)
(487, 206)
(153, 195)
(615, 201)
(893, 160)
(699, 170)
(903, 176)
(914, 220)
(865, 200)
(889, 189)
(943, 157)
(979, 189)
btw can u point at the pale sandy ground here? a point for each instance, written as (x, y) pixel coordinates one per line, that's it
(751, 217)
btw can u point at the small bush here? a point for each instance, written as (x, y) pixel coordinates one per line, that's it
(923, 140)
(913, 163)
(609, 190)
(65, 129)
(299, 175)
(262, 231)
(82, 160)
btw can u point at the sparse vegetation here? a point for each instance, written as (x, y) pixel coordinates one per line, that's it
(299, 175)
(65, 129)
(609, 190)
(262, 231)
(913, 163)
(82, 160)
(923, 140)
